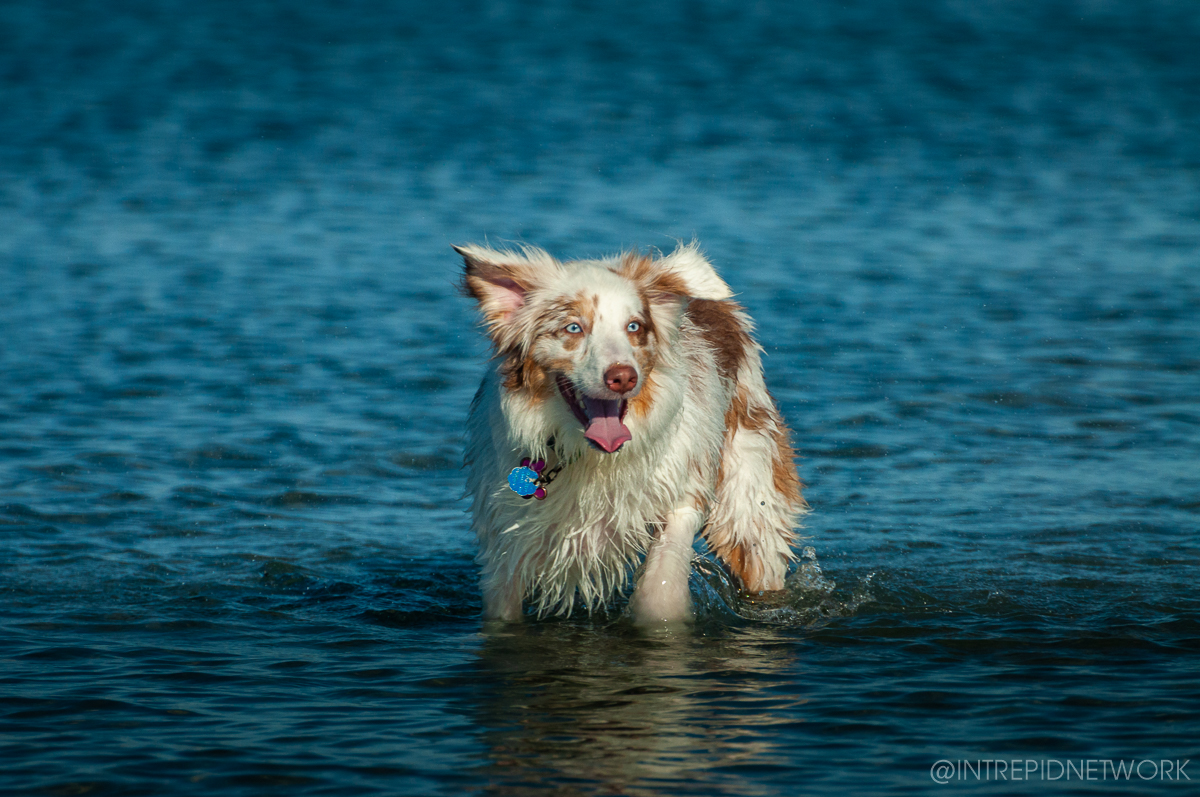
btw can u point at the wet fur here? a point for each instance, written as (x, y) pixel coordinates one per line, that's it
(710, 453)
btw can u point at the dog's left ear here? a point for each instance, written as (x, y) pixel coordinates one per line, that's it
(500, 281)
(687, 272)
(682, 275)
(670, 282)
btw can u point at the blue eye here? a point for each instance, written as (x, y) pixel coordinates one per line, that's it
(634, 326)
(573, 328)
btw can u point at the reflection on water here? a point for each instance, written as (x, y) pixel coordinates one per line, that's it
(562, 705)
(604, 707)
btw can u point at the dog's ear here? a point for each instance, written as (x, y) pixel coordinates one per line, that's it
(500, 281)
(670, 282)
(687, 272)
(684, 274)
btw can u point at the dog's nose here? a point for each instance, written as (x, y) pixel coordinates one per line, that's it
(620, 378)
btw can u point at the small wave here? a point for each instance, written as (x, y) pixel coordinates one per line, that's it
(303, 498)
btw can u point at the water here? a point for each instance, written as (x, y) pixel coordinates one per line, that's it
(234, 372)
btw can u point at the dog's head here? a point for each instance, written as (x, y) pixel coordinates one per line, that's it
(590, 331)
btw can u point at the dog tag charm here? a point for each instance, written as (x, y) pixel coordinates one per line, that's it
(524, 481)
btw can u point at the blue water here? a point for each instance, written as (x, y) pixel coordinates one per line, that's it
(234, 371)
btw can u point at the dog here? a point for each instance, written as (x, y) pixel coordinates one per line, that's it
(624, 413)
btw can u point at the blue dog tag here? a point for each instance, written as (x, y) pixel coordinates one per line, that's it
(523, 481)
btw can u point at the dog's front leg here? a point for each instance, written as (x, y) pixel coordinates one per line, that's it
(661, 595)
(502, 600)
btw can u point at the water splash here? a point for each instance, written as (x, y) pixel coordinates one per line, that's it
(809, 599)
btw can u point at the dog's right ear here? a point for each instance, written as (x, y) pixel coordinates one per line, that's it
(500, 281)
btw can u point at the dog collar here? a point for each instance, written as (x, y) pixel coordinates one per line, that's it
(530, 479)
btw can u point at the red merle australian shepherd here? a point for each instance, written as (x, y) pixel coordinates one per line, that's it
(625, 413)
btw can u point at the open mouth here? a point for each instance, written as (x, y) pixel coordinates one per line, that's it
(602, 419)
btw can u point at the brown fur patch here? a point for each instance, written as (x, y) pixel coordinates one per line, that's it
(666, 286)
(641, 404)
(652, 280)
(743, 564)
(645, 349)
(586, 306)
(523, 374)
(641, 338)
(722, 331)
(648, 330)
(783, 467)
(645, 340)
(744, 415)
(747, 567)
(735, 557)
(580, 306)
(636, 266)
(558, 366)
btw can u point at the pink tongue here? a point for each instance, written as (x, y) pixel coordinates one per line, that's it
(605, 428)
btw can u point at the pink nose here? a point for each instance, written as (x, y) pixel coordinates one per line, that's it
(620, 378)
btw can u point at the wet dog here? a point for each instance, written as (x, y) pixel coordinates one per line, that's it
(624, 412)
